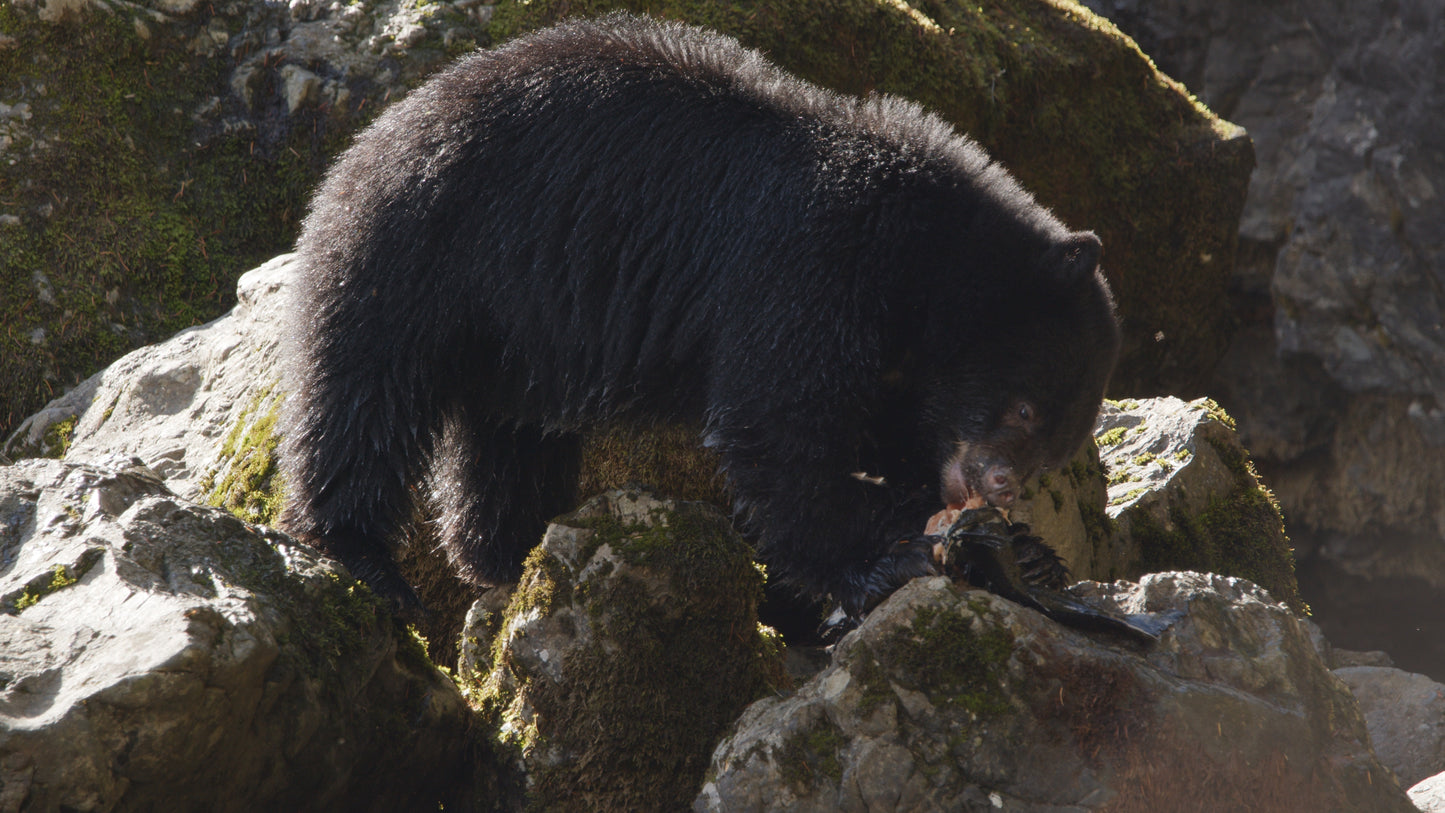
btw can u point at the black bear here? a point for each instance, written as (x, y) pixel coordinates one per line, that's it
(625, 219)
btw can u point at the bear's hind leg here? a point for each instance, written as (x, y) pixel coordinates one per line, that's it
(493, 488)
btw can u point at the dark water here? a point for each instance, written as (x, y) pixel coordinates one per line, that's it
(1405, 617)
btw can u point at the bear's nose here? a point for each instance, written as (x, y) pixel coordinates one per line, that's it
(1000, 486)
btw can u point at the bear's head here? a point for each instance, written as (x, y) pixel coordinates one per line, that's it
(1019, 390)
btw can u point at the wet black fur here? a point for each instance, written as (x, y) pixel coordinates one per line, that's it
(624, 218)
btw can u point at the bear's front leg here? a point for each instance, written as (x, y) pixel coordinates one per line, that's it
(825, 531)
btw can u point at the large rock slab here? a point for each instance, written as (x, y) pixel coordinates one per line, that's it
(156, 654)
(949, 699)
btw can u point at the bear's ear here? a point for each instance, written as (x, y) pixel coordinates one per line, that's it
(1076, 258)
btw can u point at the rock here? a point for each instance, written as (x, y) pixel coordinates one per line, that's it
(949, 699)
(1405, 714)
(200, 410)
(1066, 509)
(1429, 795)
(629, 646)
(175, 403)
(156, 654)
(1183, 494)
(196, 136)
(1336, 376)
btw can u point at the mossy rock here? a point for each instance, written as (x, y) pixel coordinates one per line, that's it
(141, 173)
(119, 229)
(1066, 101)
(1184, 495)
(629, 647)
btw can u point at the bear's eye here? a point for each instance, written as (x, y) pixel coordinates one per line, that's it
(1026, 413)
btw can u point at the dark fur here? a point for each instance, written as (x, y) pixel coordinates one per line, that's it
(630, 219)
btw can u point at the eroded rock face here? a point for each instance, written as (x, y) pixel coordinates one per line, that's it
(156, 654)
(1336, 375)
(949, 699)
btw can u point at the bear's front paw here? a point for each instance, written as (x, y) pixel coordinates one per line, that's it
(864, 589)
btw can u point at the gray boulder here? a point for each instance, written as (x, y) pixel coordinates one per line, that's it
(156, 654)
(948, 699)
(1405, 713)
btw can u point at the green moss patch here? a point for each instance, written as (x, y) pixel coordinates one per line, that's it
(247, 482)
(810, 757)
(1238, 534)
(954, 664)
(60, 577)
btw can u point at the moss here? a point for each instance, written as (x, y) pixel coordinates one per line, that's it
(60, 577)
(538, 591)
(250, 485)
(872, 680)
(808, 757)
(1112, 436)
(670, 458)
(58, 437)
(943, 656)
(1240, 533)
(1132, 494)
(1215, 411)
(1099, 527)
(140, 222)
